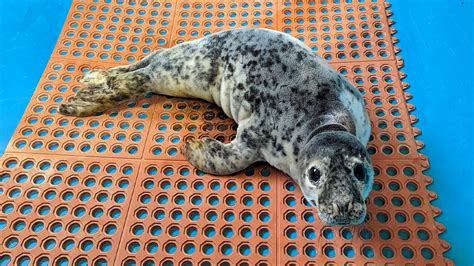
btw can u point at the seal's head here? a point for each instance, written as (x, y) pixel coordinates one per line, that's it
(336, 177)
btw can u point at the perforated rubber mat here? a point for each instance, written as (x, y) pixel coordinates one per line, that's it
(114, 189)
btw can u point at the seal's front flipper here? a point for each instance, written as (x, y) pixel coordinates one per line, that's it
(214, 157)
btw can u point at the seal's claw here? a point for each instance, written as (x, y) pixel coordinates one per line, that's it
(78, 109)
(67, 109)
(194, 150)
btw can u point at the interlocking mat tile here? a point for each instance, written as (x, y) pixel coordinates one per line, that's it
(114, 189)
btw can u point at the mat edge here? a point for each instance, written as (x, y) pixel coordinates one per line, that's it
(416, 133)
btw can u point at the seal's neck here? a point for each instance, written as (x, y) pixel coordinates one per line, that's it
(326, 128)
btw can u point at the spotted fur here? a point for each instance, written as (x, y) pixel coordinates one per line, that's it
(294, 111)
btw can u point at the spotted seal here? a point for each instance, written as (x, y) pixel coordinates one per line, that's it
(293, 111)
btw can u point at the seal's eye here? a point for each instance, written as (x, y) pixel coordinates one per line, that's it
(314, 174)
(359, 172)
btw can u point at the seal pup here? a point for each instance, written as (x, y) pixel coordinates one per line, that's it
(293, 111)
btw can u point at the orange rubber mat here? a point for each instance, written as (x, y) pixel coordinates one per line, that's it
(113, 189)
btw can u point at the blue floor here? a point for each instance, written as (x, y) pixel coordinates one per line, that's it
(29, 30)
(436, 40)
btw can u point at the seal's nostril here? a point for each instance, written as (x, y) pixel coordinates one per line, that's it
(343, 208)
(357, 211)
(329, 209)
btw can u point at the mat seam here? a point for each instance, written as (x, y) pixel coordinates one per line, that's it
(155, 109)
(75, 155)
(120, 64)
(172, 24)
(279, 175)
(128, 210)
(86, 60)
(156, 159)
